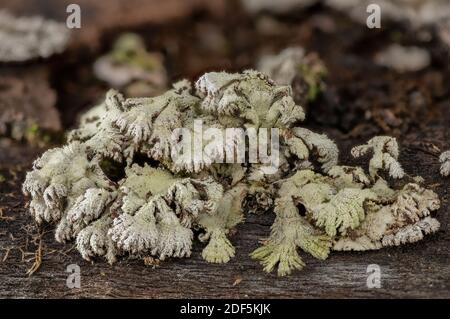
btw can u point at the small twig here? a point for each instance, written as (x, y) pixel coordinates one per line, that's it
(23, 253)
(37, 258)
(425, 147)
(8, 218)
(6, 254)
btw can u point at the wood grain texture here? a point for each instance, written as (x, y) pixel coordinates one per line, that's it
(419, 270)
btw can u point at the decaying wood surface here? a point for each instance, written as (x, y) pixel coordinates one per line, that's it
(416, 270)
(32, 264)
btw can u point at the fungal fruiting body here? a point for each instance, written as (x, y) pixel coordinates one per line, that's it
(130, 68)
(137, 179)
(385, 155)
(294, 67)
(26, 38)
(444, 158)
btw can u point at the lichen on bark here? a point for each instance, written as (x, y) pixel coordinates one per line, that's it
(157, 203)
(27, 38)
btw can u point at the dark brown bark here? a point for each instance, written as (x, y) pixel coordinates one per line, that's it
(415, 270)
(361, 100)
